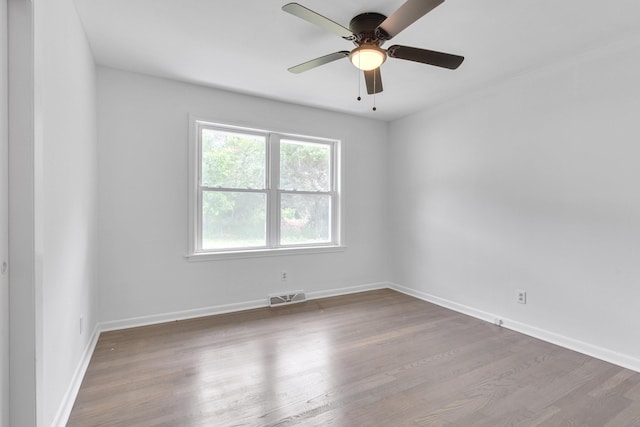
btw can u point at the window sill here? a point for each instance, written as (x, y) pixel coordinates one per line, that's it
(258, 253)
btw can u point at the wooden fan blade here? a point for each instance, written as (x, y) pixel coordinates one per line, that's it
(306, 66)
(424, 56)
(317, 19)
(406, 15)
(374, 81)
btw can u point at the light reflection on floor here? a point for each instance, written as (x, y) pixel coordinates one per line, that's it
(278, 377)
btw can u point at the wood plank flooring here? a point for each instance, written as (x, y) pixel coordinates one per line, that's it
(376, 358)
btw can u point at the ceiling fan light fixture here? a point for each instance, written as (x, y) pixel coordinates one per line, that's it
(368, 57)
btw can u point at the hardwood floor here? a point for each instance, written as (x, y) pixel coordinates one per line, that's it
(376, 358)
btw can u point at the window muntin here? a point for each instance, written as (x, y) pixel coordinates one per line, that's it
(260, 190)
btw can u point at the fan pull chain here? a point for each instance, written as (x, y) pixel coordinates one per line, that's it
(374, 88)
(359, 78)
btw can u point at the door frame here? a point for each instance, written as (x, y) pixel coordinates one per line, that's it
(4, 214)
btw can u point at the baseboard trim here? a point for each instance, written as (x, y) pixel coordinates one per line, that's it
(226, 308)
(592, 350)
(62, 416)
(155, 319)
(346, 291)
(460, 308)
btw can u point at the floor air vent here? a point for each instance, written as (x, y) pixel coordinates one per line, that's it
(288, 298)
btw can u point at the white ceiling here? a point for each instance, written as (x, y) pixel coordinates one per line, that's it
(247, 45)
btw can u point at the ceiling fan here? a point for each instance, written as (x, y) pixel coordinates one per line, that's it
(369, 31)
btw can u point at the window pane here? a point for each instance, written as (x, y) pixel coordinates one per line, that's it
(233, 160)
(305, 218)
(305, 166)
(233, 219)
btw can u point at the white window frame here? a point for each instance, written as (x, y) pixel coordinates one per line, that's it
(273, 192)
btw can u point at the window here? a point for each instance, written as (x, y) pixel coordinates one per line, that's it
(259, 192)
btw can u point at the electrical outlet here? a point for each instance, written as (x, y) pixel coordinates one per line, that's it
(283, 276)
(521, 297)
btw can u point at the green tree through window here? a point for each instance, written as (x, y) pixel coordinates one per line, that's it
(305, 178)
(261, 190)
(233, 180)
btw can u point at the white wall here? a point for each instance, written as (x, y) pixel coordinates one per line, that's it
(143, 143)
(69, 127)
(530, 185)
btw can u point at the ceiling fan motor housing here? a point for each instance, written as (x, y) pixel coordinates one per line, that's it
(364, 28)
